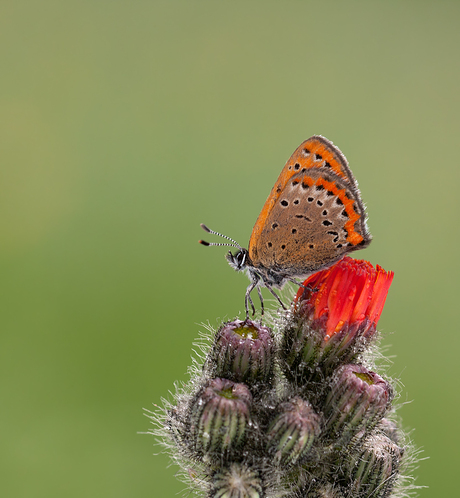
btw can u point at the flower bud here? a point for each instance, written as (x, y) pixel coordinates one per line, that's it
(375, 470)
(324, 491)
(390, 429)
(291, 434)
(243, 352)
(357, 401)
(335, 316)
(236, 481)
(219, 416)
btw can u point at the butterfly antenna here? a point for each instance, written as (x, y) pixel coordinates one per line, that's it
(206, 229)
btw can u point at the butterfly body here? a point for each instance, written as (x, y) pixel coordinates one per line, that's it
(312, 218)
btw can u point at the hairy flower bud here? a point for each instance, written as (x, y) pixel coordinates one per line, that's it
(292, 432)
(334, 318)
(219, 416)
(357, 401)
(375, 470)
(236, 481)
(243, 352)
(324, 491)
(390, 429)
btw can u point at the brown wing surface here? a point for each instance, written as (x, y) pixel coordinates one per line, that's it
(315, 220)
(315, 153)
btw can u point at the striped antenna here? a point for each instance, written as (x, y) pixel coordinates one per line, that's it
(206, 229)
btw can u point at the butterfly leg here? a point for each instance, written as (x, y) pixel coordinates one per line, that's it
(248, 300)
(251, 302)
(261, 300)
(300, 284)
(269, 287)
(307, 287)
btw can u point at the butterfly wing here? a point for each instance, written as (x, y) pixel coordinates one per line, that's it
(314, 214)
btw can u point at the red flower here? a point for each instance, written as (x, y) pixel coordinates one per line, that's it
(350, 294)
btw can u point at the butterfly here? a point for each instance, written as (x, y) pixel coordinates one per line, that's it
(313, 217)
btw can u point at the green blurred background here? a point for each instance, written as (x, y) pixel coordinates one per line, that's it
(123, 125)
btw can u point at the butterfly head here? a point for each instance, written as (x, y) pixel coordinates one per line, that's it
(240, 260)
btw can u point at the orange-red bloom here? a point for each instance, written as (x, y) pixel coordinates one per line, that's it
(349, 294)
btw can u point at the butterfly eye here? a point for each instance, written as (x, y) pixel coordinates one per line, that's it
(240, 258)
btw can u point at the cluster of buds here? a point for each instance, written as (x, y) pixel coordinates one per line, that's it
(295, 410)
